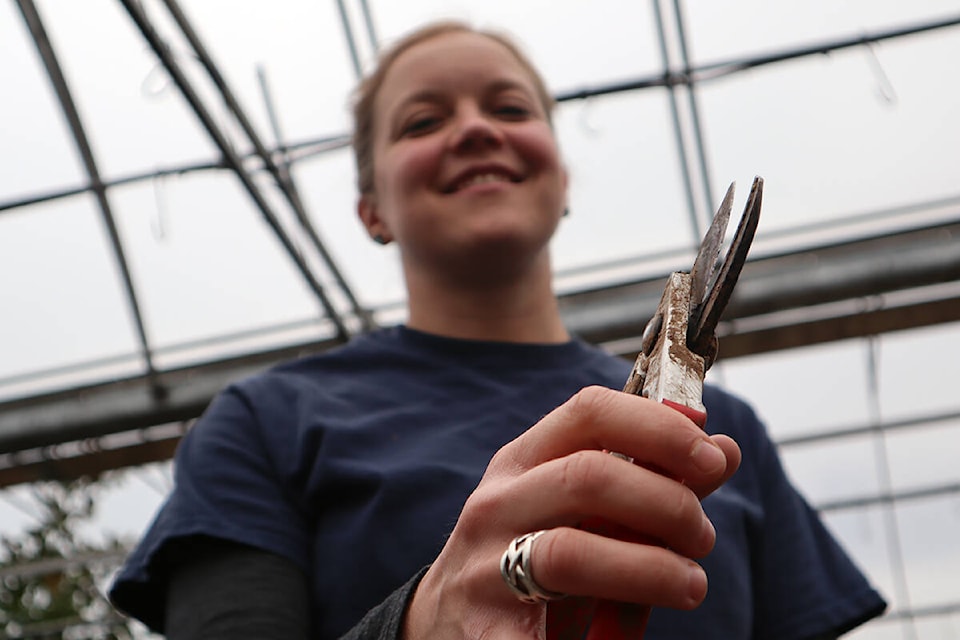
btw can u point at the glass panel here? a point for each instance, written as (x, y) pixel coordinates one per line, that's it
(132, 114)
(758, 26)
(136, 116)
(918, 371)
(575, 44)
(939, 627)
(205, 262)
(929, 530)
(802, 391)
(326, 183)
(881, 629)
(925, 457)
(833, 470)
(626, 193)
(34, 127)
(863, 534)
(62, 295)
(827, 144)
(300, 47)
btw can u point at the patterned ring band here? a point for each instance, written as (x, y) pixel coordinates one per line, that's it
(516, 572)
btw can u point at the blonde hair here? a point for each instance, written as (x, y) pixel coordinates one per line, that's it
(365, 95)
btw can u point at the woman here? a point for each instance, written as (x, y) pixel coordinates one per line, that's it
(309, 494)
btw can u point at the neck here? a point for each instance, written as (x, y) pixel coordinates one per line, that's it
(508, 309)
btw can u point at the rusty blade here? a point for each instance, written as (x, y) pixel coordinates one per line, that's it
(700, 331)
(705, 265)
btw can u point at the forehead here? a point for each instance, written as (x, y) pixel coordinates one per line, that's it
(452, 62)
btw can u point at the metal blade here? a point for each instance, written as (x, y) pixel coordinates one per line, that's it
(705, 264)
(700, 332)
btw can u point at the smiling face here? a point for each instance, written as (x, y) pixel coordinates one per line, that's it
(465, 163)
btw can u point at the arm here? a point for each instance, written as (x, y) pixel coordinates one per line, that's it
(219, 590)
(226, 489)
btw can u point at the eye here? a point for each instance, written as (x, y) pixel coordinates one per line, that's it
(420, 124)
(512, 111)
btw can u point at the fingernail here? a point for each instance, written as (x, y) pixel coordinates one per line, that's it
(697, 585)
(708, 458)
(708, 533)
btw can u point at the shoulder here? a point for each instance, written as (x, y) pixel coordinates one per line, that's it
(350, 355)
(273, 410)
(364, 356)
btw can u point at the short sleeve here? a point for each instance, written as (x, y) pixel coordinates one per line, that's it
(227, 486)
(805, 584)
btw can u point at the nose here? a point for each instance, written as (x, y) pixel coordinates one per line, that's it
(475, 130)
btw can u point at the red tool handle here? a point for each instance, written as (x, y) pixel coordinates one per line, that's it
(604, 619)
(699, 417)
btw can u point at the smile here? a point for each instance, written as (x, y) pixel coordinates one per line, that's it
(482, 178)
(488, 176)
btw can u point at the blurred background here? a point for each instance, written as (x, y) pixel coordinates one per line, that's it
(177, 211)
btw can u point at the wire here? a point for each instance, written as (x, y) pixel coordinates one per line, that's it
(885, 478)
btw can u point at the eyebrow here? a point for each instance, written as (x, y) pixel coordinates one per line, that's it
(434, 95)
(423, 95)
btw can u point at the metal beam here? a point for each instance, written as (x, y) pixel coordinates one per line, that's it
(124, 405)
(303, 149)
(281, 175)
(231, 158)
(696, 223)
(351, 41)
(50, 466)
(693, 109)
(789, 281)
(696, 74)
(863, 269)
(49, 57)
(723, 68)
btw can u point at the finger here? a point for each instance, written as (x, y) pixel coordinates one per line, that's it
(591, 485)
(603, 419)
(580, 563)
(731, 450)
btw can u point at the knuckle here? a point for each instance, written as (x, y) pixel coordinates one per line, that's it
(500, 461)
(582, 473)
(685, 509)
(479, 510)
(587, 403)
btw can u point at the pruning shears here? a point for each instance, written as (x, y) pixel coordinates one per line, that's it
(678, 347)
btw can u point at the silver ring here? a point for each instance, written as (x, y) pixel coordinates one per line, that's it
(516, 571)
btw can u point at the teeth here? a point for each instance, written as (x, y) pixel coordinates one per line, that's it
(482, 178)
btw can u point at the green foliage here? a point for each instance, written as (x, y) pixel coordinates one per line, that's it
(50, 578)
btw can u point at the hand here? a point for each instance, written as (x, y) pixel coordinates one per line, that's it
(554, 477)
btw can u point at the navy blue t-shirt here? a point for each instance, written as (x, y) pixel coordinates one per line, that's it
(355, 464)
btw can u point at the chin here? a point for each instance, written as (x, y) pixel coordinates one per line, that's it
(508, 225)
(501, 255)
(508, 239)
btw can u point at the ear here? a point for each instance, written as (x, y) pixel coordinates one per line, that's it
(566, 190)
(370, 218)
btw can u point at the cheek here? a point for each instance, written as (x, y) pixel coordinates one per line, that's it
(400, 178)
(540, 148)
(407, 168)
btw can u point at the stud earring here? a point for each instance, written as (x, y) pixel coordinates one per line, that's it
(379, 239)
(566, 212)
